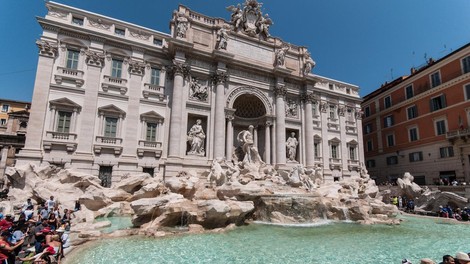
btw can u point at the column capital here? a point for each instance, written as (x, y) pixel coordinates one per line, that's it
(269, 123)
(178, 68)
(94, 58)
(136, 67)
(219, 77)
(359, 113)
(47, 48)
(323, 107)
(280, 90)
(309, 97)
(341, 110)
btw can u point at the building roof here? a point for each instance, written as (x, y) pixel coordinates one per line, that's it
(13, 101)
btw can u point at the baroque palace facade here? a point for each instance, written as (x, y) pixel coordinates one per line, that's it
(112, 97)
(420, 123)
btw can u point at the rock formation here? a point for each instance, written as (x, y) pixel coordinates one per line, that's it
(227, 194)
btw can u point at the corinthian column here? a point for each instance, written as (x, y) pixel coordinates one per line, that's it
(267, 143)
(309, 142)
(176, 118)
(219, 79)
(280, 93)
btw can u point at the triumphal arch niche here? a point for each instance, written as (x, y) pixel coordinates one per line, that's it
(232, 78)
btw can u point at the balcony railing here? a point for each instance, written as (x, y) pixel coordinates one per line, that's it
(458, 133)
(62, 139)
(111, 83)
(73, 75)
(110, 143)
(109, 140)
(154, 147)
(63, 136)
(151, 90)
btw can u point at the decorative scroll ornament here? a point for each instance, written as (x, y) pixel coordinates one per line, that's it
(250, 19)
(341, 110)
(178, 68)
(220, 77)
(94, 58)
(359, 113)
(280, 90)
(136, 67)
(197, 91)
(323, 107)
(99, 24)
(139, 35)
(291, 108)
(57, 13)
(47, 48)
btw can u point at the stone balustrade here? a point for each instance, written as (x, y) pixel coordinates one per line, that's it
(71, 75)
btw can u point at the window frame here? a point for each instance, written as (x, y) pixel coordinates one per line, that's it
(74, 60)
(437, 128)
(415, 156)
(369, 145)
(388, 124)
(155, 78)
(446, 152)
(61, 123)
(79, 21)
(152, 137)
(388, 103)
(367, 111)
(368, 128)
(466, 91)
(412, 91)
(370, 163)
(107, 133)
(392, 160)
(432, 80)
(414, 113)
(119, 31)
(435, 104)
(116, 72)
(416, 134)
(3, 122)
(465, 62)
(332, 112)
(7, 108)
(392, 137)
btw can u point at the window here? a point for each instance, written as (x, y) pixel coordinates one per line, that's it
(331, 86)
(416, 156)
(316, 149)
(116, 70)
(467, 92)
(63, 121)
(390, 140)
(120, 31)
(350, 114)
(392, 160)
(441, 127)
(370, 145)
(334, 151)
(155, 76)
(352, 153)
(368, 128)
(348, 90)
(446, 152)
(5, 108)
(3, 122)
(437, 103)
(72, 59)
(435, 79)
(157, 42)
(387, 101)
(388, 121)
(110, 126)
(370, 163)
(332, 112)
(151, 132)
(409, 91)
(367, 111)
(150, 171)
(413, 133)
(466, 64)
(412, 112)
(77, 21)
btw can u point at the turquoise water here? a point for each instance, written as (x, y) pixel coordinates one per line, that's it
(117, 223)
(414, 239)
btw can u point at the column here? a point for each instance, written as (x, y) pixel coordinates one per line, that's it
(229, 139)
(32, 149)
(344, 144)
(86, 135)
(267, 143)
(309, 140)
(176, 117)
(325, 147)
(219, 79)
(255, 137)
(280, 93)
(130, 136)
(360, 140)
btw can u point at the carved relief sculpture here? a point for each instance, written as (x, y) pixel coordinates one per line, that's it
(291, 109)
(196, 138)
(291, 145)
(181, 24)
(222, 38)
(197, 91)
(281, 55)
(250, 19)
(309, 63)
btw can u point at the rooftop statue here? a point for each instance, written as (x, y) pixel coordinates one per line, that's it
(309, 63)
(250, 19)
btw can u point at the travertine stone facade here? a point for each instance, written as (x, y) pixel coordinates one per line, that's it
(111, 97)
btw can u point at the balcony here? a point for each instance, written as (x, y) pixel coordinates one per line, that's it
(69, 75)
(114, 84)
(351, 129)
(109, 143)
(153, 91)
(454, 135)
(67, 140)
(153, 147)
(335, 164)
(353, 165)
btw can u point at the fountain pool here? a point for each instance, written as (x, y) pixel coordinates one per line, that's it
(414, 239)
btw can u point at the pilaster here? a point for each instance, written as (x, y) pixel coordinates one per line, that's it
(280, 93)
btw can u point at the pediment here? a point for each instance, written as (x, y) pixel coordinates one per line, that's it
(111, 110)
(352, 142)
(64, 103)
(152, 115)
(335, 140)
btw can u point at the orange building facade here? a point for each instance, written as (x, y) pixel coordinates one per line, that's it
(420, 123)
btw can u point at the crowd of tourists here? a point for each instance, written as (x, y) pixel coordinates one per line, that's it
(455, 213)
(460, 258)
(403, 203)
(35, 233)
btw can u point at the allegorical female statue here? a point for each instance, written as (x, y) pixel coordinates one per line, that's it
(196, 138)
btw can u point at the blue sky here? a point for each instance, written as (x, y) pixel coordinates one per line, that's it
(363, 42)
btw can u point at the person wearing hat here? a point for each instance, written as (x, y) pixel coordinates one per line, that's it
(461, 258)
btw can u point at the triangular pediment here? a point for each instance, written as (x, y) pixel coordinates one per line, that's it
(111, 110)
(152, 115)
(335, 140)
(352, 142)
(64, 103)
